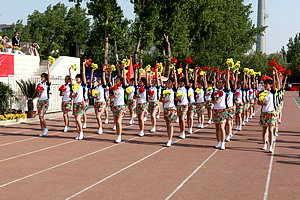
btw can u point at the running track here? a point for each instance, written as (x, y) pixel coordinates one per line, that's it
(58, 167)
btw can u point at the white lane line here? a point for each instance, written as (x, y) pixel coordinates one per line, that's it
(269, 174)
(192, 174)
(67, 162)
(123, 169)
(46, 148)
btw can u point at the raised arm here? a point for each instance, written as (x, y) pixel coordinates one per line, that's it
(71, 81)
(245, 82)
(175, 78)
(83, 73)
(48, 69)
(124, 77)
(104, 77)
(91, 80)
(228, 79)
(195, 77)
(284, 83)
(135, 76)
(187, 76)
(148, 79)
(274, 79)
(214, 80)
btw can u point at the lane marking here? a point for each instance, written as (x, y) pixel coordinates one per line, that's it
(127, 167)
(50, 147)
(67, 162)
(269, 173)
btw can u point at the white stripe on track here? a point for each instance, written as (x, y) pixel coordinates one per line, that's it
(123, 169)
(67, 162)
(46, 148)
(269, 173)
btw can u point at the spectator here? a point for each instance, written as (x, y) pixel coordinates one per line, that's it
(16, 40)
(3, 41)
(33, 49)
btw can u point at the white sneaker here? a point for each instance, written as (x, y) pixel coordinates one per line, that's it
(77, 137)
(276, 130)
(237, 128)
(100, 131)
(200, 125)
(190, 131)
(222, 146)
(250, 117)
(209, 122)
(135, 115)
(106, 121)
(131, 122)
(145, 119)
(153, 130)
(114, 128)
(276, 134)
(246, 120)
(271, 149)
(84, 125)
(185, 117)
(169, 143)
(66, 129)
(119, 139)
(177, 120)
(157, 117)
(279, 121)
(196, 115)
(227, 138)
(182, 136)
(80, 136)
(141, 133)
(264, 147)
(240, 128)
(218, 145)
(45, 132)
(42, 134)
(243, 123)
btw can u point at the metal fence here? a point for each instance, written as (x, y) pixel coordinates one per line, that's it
(54, 101)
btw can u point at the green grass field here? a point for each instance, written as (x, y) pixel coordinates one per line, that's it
(297, 100)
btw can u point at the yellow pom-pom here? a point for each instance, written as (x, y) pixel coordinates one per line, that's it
(52, 60)
(95, 92)
(179, 94)
(128, 90)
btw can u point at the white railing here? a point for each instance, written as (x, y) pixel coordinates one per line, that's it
(55, 99)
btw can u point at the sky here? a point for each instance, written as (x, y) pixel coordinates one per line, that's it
(283, 21)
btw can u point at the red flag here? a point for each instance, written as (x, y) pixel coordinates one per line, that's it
(6, 65)
(130, 70)
(155, 72)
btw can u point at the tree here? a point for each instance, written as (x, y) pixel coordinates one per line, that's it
(293, 57)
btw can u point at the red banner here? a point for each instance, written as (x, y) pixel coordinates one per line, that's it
(6, 65)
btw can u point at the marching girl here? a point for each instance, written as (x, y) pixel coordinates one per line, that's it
(66, 104)
(87, 87)
(130, 90)
(281, 98)
(208, 105)
(43, 100)
(108, 81)
(239, 104)
(170, 111)
(77, 93)
(200, 101)
(230, 110)
(182, 102)
(251, 96)
(191, 101)
(267, 116)
(119, 107)
(153, 101)
(142, 101)
(219, 112)
(100, 103)
(245, 94)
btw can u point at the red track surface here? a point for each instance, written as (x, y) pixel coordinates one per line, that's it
(58, 167)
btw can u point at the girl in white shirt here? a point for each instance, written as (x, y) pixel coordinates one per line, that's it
(131, 101)
(43, 100)
(182, 103)
(200, 100)
(66, 105)
(100, 102)
(170, 111)
(153, 101)
(191, 98)
(208, 96)
(238, 98)
(119, 107)
(77, 93)
(219, 112)
(108, 80)
(142, 101)
(267, 116)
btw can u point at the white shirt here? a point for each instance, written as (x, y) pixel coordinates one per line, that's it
(44, 93)
(131, 94)
(100, 89)
(192, 97)
(251, 95)
(221, 104)
(79, 98)
(143, 98)
(66, 97)
(155, 96)
(200, 96)
(119, 100)
(230, 98)
(208, 94)
(86, 96)
(270, 100)
(183, 97)
(239, 98)
(169, 97)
